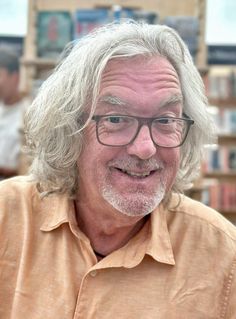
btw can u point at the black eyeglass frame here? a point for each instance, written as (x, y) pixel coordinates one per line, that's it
(144, 121)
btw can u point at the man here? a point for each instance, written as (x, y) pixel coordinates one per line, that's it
(12, 105)
(99, 229)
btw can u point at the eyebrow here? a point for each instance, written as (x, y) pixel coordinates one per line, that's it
(112, 99)
(172, 100)
(116, 101)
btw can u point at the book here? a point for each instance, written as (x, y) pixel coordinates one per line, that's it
(188, 28)
(232, 159)
(54, 32)
(85, 20)
(222, 86)
(219, 159)
(219, 195)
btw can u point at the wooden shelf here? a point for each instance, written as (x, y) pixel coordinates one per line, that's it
(39, 62)
(203, 70)
(227, 136)
(196, 189)
(220, 174)
(227, 139)
(228, 211)
(230, 216)
(223, 102)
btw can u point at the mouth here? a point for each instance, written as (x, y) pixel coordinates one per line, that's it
(138, 175)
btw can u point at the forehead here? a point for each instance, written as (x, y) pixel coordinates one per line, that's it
(140, 70)
(140, 81)
(135, 63)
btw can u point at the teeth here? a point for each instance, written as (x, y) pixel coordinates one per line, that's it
(136, 174)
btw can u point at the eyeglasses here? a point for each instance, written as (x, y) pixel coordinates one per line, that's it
(121, 130)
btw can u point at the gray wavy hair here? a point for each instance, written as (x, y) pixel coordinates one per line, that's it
(54, 122)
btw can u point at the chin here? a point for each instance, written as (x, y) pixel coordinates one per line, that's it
(134, 204)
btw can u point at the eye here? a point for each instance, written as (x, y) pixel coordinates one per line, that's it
(113, 122)
(114, 119)
(165, 120)
(166, 124)
(116, 122)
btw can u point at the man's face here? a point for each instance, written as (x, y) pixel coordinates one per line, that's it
(8, 83)
(133, 179)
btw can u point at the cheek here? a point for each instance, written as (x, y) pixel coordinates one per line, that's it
(94, 156)
(86, 155)
(171, 159)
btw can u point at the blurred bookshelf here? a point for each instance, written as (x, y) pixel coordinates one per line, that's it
(217, 185)
(54, 24)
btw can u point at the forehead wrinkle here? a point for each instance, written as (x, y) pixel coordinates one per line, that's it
(166, 81)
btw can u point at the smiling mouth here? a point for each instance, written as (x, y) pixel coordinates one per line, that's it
(136, 174)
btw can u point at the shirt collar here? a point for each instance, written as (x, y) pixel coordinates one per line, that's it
(159, 245)
(57, 209)
(153, 239)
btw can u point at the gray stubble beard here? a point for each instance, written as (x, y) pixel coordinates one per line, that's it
(141, 205)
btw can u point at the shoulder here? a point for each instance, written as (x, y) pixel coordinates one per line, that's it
(16, 189)
(18, 195)
(201, 217)
(17, 183)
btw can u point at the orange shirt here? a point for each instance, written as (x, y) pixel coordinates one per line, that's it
(180, 265)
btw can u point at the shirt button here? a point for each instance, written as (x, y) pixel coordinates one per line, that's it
(93, 273)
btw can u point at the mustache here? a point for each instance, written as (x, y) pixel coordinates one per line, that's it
(129, 163)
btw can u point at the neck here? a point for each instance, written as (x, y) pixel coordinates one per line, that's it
(99, 256)
(107, 229)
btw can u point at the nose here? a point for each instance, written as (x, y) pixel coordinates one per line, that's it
(143, 146)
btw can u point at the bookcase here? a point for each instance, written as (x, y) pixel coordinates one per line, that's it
(36, 66)
(217, 186)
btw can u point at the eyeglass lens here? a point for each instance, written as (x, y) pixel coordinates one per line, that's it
(121, 130)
